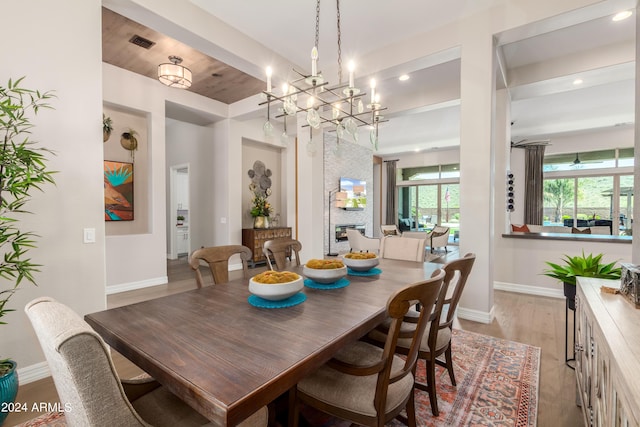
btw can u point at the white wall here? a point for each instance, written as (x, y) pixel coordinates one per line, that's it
(139, 260)
(41, 36)
(520, 262)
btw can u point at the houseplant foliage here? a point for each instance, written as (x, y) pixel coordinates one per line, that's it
(22, 169)
(107, 127)
(584, 266)
(260, 206)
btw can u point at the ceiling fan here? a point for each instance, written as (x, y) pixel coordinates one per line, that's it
(524, 142)
(577, 161)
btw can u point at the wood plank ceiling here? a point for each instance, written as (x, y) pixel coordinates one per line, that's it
(211, 78)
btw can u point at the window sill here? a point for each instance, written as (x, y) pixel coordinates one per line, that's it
(601, 238)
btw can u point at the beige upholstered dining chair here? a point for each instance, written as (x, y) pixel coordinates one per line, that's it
(402, 248)
(437, 338)
(279, 250)
(365, 384)
(87, 382)
(360, 243)
(217, 257)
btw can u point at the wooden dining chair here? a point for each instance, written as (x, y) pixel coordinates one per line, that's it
(87, 382)
(365, 384)
(437, 338)
(217, 257)
(280, 250)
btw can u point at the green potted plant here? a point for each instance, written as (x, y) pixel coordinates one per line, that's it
(107, 127)
(22, 169)
(180, 219)
(580, 265)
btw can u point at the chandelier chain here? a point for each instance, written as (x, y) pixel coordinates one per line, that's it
(340, 106)
(317, 24)
(339, 44)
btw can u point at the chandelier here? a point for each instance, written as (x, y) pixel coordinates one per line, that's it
(341, 106)
(173, 74)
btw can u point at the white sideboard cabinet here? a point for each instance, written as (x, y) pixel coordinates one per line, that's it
(607, 356)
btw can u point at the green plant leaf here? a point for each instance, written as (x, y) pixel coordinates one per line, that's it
(582, 266)
(23, 169)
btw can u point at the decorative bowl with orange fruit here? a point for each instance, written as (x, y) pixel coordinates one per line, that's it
(275, 285)
(360, 261)
(324, 270)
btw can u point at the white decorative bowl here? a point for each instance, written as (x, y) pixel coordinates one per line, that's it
(276, 291)
(361, 264)
(324, 275)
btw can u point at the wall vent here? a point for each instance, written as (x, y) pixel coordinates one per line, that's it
(141, 41)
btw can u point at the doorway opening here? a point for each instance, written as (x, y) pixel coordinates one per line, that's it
(179, 212)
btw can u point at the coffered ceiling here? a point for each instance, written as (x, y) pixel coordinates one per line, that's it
(211, 78)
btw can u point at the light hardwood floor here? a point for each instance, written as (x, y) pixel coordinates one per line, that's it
(533, 320)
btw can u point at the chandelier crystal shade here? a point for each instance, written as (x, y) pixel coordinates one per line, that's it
(175, 75)
(342, 105)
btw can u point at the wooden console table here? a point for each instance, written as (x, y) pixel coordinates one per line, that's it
(607, 355)
(254, 239)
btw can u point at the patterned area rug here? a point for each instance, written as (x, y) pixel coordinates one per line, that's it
(497, 386)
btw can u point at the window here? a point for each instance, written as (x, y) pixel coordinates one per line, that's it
(590, 189)
(431, 172)
(612, 158)
(558, 195)
(593, 201)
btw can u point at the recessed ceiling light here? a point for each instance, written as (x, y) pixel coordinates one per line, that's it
(577, 82)
(622, 15)
(403, 77)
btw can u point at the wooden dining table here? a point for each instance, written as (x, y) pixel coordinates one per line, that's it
(227, 358)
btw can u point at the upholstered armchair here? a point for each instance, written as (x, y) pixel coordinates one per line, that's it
(360, 243)
(390, 230)
(439, 237)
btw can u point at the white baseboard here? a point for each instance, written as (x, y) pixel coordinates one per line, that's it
(34, 372)
(530, 290)
(124, 287)
(475, 315)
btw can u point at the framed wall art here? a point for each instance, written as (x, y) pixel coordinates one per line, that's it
(118, 191)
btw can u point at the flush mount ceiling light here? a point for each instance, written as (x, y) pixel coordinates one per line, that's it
(173, 74)
(341, 106)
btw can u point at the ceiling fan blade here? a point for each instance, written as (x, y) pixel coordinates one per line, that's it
(577, 161)
(526, 142)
